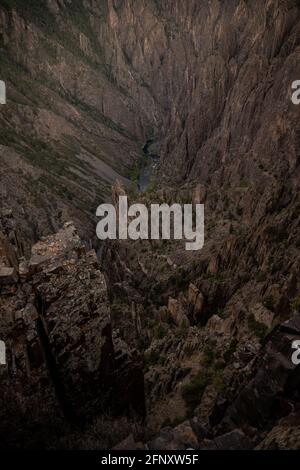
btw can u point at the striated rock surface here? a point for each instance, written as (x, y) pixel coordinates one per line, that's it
(210, 84)
(211, 81)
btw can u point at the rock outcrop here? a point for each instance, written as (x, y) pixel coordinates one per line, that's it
(64, 366)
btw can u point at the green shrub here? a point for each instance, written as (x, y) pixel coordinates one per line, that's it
(193, 391)
(258, 329)
(181, 331)
(245, 277)
(269, 302)
(295, 303)
(221, 313)
(232, 348)
(208, 356)
(244, 183)
(151, 358)
(261, 276)
(160, 331)
(277, 233)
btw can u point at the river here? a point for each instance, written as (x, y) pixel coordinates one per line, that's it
(150, 149)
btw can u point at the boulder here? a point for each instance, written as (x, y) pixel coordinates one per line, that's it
(179, 438)
(192, 293)
(196, 302)
(234, 440)
(263, 315)
(23, 270)
(129, 444)
(8, 275)
(177, 313)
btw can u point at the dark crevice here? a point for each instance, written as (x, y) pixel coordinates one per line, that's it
(51, 362)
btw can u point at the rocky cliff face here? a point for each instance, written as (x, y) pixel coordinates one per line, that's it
(88, 84)
(69, 128)
(64, 365)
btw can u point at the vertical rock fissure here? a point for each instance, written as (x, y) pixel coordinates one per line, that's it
(50, 362)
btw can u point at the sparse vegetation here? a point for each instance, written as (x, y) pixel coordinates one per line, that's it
(192, 392)
(244, 183)
(261, 276)
(268, 302)
(295, 303)
(208, 355)
(160, 331)
(259, 329)
(231, 350)
(245, 277)
(221, 313)
(150, 358)
(181, 332)
(277, 233)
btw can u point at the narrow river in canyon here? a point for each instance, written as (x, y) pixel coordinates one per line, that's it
(150, 149)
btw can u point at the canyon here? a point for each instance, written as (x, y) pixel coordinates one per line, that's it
(143, 344)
